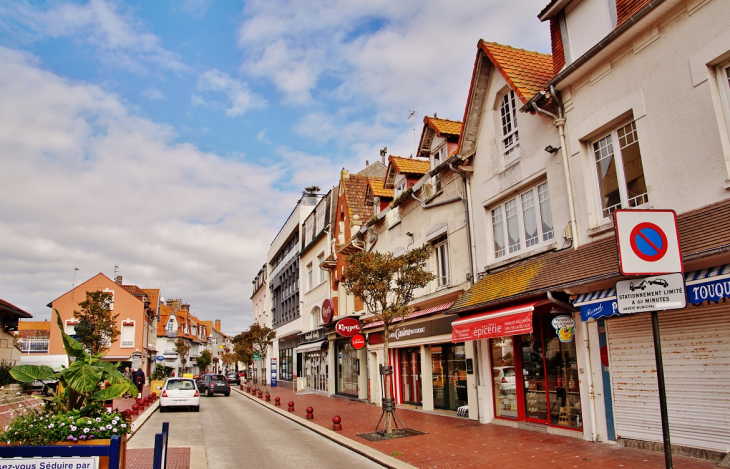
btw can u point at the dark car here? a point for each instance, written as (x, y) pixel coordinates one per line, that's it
(233, 378)
(209, 384)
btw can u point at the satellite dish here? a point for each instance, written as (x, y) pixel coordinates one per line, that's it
(162, 299)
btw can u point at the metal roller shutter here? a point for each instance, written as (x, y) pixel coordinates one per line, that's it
(696, 353)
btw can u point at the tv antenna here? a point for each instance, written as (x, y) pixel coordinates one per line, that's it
(414, 115)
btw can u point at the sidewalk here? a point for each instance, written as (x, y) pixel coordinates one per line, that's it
(454, 442)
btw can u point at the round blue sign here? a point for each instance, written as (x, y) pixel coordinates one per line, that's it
(648, 242)
(160, 358)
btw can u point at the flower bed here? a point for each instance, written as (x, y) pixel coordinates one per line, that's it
(40, 428)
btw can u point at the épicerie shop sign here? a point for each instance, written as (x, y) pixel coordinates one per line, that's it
(414, 331)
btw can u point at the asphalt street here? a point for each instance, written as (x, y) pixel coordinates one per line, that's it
(234, 432)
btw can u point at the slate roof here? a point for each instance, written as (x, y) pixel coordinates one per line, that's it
(14, 310)
(443, 127)
(699, 231)
(410, 165)
(377, 189)
(376, 170)
(526, 72)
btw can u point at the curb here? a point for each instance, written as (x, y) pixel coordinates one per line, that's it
(359, 448)
(137, 424)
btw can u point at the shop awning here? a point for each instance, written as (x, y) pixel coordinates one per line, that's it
(314, 346)
(512, 320)
(708, 284)
(415, 314)
(597, 304)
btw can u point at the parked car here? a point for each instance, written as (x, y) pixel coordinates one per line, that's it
(233, 378)
(209, 384)
(180, 392)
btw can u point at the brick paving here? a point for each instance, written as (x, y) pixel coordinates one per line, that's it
(142, 458)
(454, 442)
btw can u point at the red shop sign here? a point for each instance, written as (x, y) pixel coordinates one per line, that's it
(490, 327)
(328, 309)
(348, 327)
(357, 341)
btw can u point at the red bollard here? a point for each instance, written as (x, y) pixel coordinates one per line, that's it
(277, 401)
(261, 394)
(248, 388)
(336, 423)
(310, 413)
(240, 386)
(135, 409)
(268, 397)
(140, 402)
(291, 406)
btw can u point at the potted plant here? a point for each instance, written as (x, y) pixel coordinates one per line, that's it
(158, 377)
(75, 413)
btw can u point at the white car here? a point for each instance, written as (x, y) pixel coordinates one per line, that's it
(180, 392)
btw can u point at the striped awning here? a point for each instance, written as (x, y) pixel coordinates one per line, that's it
(711, 284)
(415, 314)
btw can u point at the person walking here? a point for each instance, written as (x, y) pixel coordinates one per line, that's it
(129, 375)
(139, 380)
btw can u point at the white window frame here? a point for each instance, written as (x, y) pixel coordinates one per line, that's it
(376, 205)
(70, 322)
(401, 187)
(310, 275)
(508, 129)
(127, 323)
(173, 323)
(539, 194)
(443, 268)
(611, 137)
(322, 272)
(437, 157)
(723, 83)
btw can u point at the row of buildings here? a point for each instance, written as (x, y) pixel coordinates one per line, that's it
(149, 327)
(631, 111)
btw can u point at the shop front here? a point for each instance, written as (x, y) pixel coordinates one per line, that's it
(428, 370)
(348, 368)
(313, 356)
(286, 362)
(533, 361)
(695, 353)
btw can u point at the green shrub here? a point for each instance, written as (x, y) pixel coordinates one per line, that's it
(5, 377)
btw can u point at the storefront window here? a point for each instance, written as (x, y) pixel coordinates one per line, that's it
(286, 363)
(563, 391)
(503, 375)
(347, 369)
(533, 373)
(410, 368)
(448, 363)
(315, 369)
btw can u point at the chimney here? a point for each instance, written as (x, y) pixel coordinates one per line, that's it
(367, 163)
(217, 325)
(186, 307)
(118, 280)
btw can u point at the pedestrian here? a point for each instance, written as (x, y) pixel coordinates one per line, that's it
(139, 380)
(127, 374)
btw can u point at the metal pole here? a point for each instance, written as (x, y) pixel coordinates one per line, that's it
(662, 392)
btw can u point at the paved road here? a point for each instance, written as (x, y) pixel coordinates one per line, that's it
(233, 432)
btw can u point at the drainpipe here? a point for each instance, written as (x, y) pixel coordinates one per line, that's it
(559, 122)
(465, 199)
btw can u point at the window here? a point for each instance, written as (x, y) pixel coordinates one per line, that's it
(376, 205)
(400, 188)
(522, 222)
(320, 260)
(70, 328)
(510, 137)
(439, 156)
(171, 325)
(621, 182)
(321, 211)
(441, 249)
(310, 275)
(308, 230)
(315, 318)
(127, 335)
(723, 82)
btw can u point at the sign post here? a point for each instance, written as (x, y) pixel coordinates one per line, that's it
(648, 244)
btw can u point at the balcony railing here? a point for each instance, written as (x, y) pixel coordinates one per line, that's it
(127, 343)
(33, 345)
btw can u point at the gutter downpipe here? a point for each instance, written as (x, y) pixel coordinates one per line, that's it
(467, 216)
(559, 122)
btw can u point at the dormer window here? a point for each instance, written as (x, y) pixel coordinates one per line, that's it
(400, 188)
(510, 137)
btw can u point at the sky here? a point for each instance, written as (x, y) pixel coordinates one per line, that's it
(168, 141)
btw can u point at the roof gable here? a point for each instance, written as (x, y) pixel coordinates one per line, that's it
(526, 72)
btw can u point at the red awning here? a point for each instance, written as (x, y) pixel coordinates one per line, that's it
(512, 320)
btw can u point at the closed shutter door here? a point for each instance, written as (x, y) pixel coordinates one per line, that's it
(696, 353)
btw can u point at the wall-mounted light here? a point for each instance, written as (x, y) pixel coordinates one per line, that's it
(408, 233)
(551, 149)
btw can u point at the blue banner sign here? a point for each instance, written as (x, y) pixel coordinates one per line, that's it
(602, 309)
(714, 290)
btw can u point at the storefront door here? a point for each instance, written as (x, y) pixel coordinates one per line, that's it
(448, 362)
(347, 369)
(411, 375)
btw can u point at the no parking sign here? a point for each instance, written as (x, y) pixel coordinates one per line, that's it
(648, 242)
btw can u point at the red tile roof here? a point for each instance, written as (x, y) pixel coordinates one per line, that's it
(354, 188)
(525, 71)
(376, 188)
(625, 9)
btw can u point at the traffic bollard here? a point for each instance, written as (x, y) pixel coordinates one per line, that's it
(336, 423)
(310, 413)
(291, 406)
(277, 401)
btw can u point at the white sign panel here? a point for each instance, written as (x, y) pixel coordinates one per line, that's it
(651, 294)
(51, 463)
(648, 242)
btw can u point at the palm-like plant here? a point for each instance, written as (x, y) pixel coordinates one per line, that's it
(79, 384)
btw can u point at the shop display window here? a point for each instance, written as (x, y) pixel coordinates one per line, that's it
(448, 364)
(503, 375)
(563, 390)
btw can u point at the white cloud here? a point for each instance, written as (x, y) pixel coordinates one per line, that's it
(119, 39)
(196, 8)
(239, 96)
(87, 184)
(153, 94)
